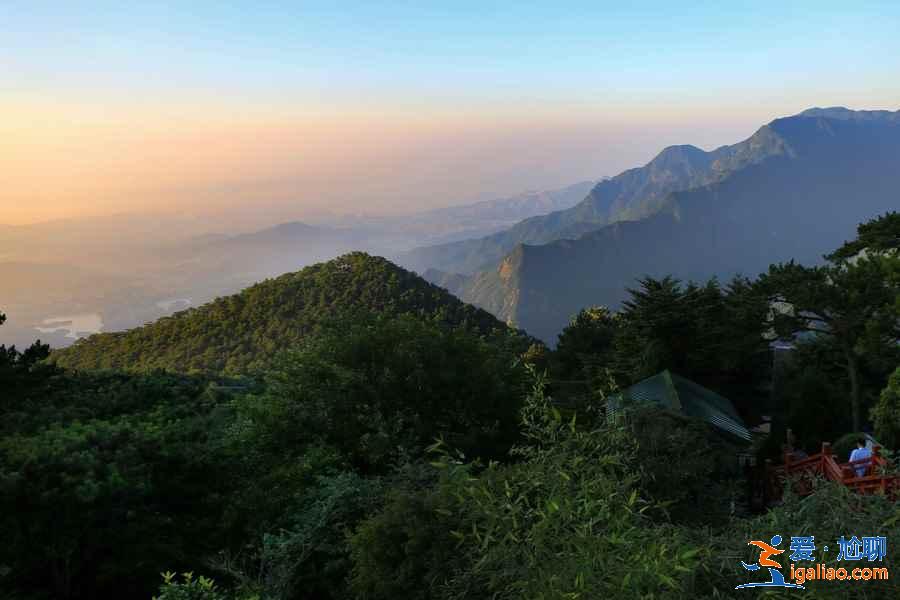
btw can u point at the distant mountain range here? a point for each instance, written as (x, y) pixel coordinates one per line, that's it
(467, 221)
(239, 334)
(131, 269)
(632, 195)
(794, 190)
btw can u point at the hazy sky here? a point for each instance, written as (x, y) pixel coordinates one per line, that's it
(271, 110)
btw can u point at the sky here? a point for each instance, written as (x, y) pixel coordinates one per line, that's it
(267, 111)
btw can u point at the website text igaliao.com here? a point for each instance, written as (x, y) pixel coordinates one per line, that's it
(820, 572)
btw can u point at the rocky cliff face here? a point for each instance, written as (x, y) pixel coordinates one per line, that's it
(795, 190)
(634, 194)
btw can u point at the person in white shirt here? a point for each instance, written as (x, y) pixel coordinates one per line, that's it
(860, 453)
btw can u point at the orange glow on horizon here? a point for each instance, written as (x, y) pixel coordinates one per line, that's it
(80, 158)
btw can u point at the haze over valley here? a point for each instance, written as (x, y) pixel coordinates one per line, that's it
(242, 156)
(118, 272)
(795, 188)
(449, 300)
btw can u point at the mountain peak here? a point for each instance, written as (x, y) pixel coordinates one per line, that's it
(240, 334)
(682, 153)
(792, 191)
(645, 191)
(846, 114)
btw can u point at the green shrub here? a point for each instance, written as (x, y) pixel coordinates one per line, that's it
(200, 588)
(830, 512)
(707, 478)
(311, 557)
(566, 521)
(407, 550)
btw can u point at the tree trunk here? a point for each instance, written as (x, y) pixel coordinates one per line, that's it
(855, 401)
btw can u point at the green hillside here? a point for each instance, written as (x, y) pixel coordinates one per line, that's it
(239, 334)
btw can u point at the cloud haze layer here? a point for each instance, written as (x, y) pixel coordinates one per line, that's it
(266, 114)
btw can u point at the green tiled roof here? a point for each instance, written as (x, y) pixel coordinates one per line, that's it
(682, 396)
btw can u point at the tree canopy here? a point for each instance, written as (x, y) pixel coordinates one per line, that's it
(351, 432)
(878, 235)
(853, 299)
(240, 334)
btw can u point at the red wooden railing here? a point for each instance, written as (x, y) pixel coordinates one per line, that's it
(874, 479)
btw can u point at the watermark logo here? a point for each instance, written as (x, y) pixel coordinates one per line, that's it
(803, 550)
(765, 560)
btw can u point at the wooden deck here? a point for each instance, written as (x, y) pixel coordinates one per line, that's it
(876, 478)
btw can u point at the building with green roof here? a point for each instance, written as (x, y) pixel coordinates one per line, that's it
(680, 395)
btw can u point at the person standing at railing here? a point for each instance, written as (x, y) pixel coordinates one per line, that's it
(858, 454)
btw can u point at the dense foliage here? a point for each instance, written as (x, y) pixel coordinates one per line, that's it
(710, 334)
(878, 235)
(574, 519)
(561, 522)
(373, 387)
(852, 303)
(240, 334)
(103, 478)
(419, 449)
(108, 478)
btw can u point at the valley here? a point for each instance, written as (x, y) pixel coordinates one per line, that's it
(449, 301)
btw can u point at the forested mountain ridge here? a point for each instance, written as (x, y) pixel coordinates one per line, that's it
(836, 168)
(240, 333)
